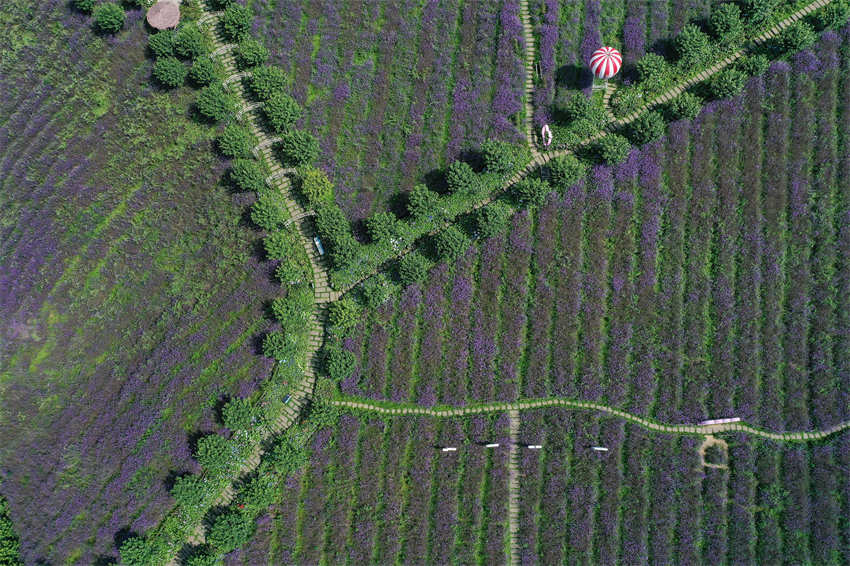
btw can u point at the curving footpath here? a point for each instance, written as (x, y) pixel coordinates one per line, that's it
(398, 409)
(538, 158)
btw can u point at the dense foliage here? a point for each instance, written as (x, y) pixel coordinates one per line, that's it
(170, 72)
(10, 543)
(108, 18)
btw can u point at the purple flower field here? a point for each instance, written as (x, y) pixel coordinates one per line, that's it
(130, 296)
(396, 91)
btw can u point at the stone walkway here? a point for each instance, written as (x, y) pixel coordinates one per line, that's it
(388, 408)
(528, 53)
(513, 487)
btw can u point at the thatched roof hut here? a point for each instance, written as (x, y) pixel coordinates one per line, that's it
(165, 14)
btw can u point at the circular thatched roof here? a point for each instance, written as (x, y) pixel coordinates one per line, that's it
(164, 14)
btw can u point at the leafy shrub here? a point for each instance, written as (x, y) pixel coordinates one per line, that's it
(248, 175)
(190, 42)
(531, 191)
(239, 414)
(647, 127)
(10, 543)
(250, 53)
(282, 111)
(204, 71)
(214, 453)
(343, 314)
(653, 71)
(332, 224)
(492, 220)
(266, 212)
(726, 23)
(108, 18)
(259, 493)
(236, 22)
(613, 149)
(314, 186)
(338, 363)
(500, 157)
(422, 202)
(577, 106)
(753, 65)
(293, 311)
(322, 414)
(279, 244)
(215, 103)
(759, 11)
(169, 72)
(280, 346)
(203, 557)
(230, 530)
(287, 456)
(797, 36)
(375, 291)
(138, 551)
(727, 82)
(565, 171)
(191, 492)
(382, 227)
(412, 268)
(236, 141)
(833, 15)
(625, 101)
(297, 147)
(685, 106)
(462, 179)
(693, 46)
(161, 43)
(451, 243)
(266, 81)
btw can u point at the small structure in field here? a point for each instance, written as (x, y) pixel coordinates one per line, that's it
(165, 14)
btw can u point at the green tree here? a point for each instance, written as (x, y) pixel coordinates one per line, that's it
(343, 315)
(282, 111)
(288, 455)
(753, 65)
(84, 6)
(413, 268)
(215, 103)
(267, 80)
(204, 71)
(685, 106)
(215, 454)
(248, 175)
(230, 530)
(693, 46)
(10, 543)
(321, 414)
(576, 107)
(294, 310)
(193, 493)
(338, 363)
(281, 346)
(108, 18)
(653, 71)
(279, 244)
(726, 23)
(565, 171)
(161, 43)
(423, 203)
(258, 494)
(531, 191)
(266, 212)
(203, 557)
(138, 551)
(250, 53)
(501, 157)
(190, 42)
(382, 227)
(833, 15)
(294, 270)
(797, 36)
(726, 83)
(375, 291)
(236, 141)
(314, 186)
(613, 149)
(759, 12)
(492, 220)
(451, 243)
(297, 147)
(460, 178)
(648, 127)
(240, 414)
(335, 232)
(169, 72)
(236, 22)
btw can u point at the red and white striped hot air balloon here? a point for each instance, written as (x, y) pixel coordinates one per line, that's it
(605, 62)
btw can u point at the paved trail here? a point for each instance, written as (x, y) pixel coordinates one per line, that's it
(388, 408)
(513, 487)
